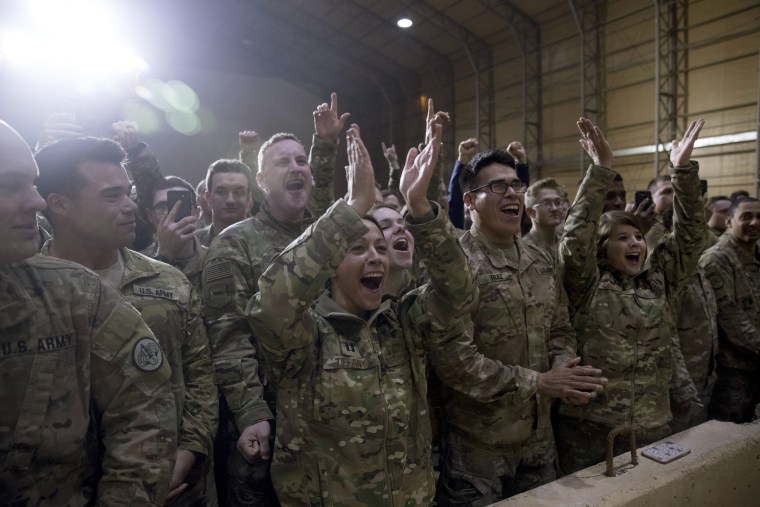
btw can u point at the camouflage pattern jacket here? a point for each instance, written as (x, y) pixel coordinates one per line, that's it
(697, 327)
(353, 422)
(735, 278)
(521, 321)
(87, 415)
(172, 309)
(231, 274)
(624, 323)
(192, 267)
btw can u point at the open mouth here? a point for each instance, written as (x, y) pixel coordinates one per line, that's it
(401, 244)
(633, 257)
(294, 185)
(512, 210)
(372, 281)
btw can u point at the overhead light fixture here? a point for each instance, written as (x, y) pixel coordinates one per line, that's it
(404, 23)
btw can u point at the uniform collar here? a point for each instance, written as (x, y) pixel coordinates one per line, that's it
(344, 322)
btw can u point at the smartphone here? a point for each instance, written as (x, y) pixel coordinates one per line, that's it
(640, 196)
(185, 197)
(703, 186)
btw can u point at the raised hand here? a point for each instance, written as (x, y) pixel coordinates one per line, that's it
(125, 133)
(518, 153)
(595, 144)
(59, 126)
(418, 171)
(434, 119)
(359, 173)
(389, 152)
(249, 140)
(680, 151)
(327, 124)
(467, 149)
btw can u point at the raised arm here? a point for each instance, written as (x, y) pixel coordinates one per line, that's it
(467, 149)
(324, 147)
(578, 244)
(678, 254)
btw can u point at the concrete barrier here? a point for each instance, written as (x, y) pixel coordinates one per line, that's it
(723, 468)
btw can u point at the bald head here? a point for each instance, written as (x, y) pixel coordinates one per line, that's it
(19, 200)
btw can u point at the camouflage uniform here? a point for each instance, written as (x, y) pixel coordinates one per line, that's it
(735, 277)
(230, 278)
(205, 235)
(499, 448)
(624, 323)
(534, 238)
(170, 306)
(352, 415)
(192, 267)
(697, 331)
(87, 406)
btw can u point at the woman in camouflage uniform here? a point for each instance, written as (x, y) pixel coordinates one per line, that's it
(352, 415)
(619, 301)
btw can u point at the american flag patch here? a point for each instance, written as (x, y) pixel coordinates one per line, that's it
(219, 271)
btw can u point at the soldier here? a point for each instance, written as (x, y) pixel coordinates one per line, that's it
(620, 301)
(719, 206)
(228, 194)
(353, 418)
(88, 416)
(230, 278)
(176, 243)
(614, 199)
(87, 192)
(733, 268)
(544, 203)
(500, 448)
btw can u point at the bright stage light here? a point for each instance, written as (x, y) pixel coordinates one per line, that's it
(76, 36)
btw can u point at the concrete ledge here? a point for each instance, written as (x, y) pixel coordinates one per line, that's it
(723, 468)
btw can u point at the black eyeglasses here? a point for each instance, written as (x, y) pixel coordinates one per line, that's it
(501, 187)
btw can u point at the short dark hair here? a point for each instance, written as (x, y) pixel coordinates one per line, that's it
(739, 193)
(481, 160)
(617, 177)
(59, 163)
(654, 182)
(173, 182)
(717, 198)
(227, 165)
(280, 136)
(736, 202)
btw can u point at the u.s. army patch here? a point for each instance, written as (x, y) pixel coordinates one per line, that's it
(147, 354)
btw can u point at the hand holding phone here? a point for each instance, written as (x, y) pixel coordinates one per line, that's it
(183, 196)
(640, 196)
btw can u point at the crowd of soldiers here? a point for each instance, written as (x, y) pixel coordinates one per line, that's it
(432, 343)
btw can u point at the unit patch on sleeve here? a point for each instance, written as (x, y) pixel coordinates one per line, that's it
(147, 355)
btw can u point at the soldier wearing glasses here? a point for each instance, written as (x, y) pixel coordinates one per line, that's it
(545, 205)
(498, 449)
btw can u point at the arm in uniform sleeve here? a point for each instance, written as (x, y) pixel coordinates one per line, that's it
(228, 282)
(201, 406)
(577, 247)
(280, 313)
(250, 158)
(736, 326)
(678, 254)
(456, 197)
(322, 156)
(143, 165)
(133, 405)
